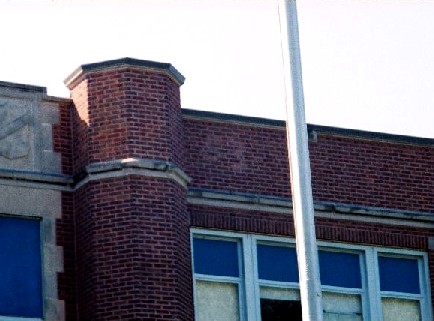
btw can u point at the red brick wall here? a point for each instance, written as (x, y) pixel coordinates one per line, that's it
(366, 172)
(227, 156)
(132, 235)
(62, 137)
(327, 229)
(253, 159)
(126, 239)
(79, 127)
(128, 113)
(133, 250)
(65, 229)
(373, 173)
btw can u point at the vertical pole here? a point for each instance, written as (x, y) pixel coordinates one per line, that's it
(307, 251)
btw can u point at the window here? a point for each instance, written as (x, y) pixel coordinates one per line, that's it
(400, 287)
(250, 277)
(219, 279)
(20, 269)
(278, 293)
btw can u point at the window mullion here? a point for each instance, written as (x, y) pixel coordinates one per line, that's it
(425, 290)
(275, 288)
(373, 285)
(250, 279)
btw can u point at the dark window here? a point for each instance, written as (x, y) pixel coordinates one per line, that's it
(20, 268)
(280, 310)
(215, 257)
(399, 275)
(340, 269)
(277, 263)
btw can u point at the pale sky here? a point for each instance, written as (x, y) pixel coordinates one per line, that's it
(366, 64)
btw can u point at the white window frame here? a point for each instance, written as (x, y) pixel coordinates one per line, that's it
(424, 282)
(249, 283)
(224, 279)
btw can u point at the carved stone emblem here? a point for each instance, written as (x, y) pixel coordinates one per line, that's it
(14, 140)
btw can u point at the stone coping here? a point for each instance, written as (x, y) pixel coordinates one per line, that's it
(313, 130)
(284, 204)
(68, 183)
(206, 197)
(126, 62)
(23, 87)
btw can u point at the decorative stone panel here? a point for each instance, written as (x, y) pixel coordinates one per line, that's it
(26, 119)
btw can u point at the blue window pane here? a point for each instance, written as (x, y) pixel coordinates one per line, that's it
(215, 257)
(20, 268)
(340, 269)
(399, 275)
(277, 263)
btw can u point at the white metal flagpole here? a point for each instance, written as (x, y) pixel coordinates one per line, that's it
(297, 138)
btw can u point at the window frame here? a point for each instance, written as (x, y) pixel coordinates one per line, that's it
(42, 266)
(249, 282)
(424, 297)
(47, 251)
(8, 318)
(223, 279)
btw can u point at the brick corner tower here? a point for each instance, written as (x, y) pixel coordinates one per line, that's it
(132, 229)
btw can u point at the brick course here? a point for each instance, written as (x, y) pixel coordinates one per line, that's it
(326, 229)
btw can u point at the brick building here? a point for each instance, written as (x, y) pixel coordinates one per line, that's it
(117, 204)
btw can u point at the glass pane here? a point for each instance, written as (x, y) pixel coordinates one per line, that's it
(280, 304)
(277, 263)
(399, 309)
(399, 274)
(215, 257)
(20, 268)
(342, 307)
(268, 292)
(340, 269)
(217, 301)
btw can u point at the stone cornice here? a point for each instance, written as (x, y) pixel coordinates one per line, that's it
(35, 177)
(206, 197)
(279, 205)
(134, 166)
(313, 130)
(22, 87)
(95, 171)
(77, 75)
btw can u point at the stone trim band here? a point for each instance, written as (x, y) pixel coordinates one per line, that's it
(243, 201)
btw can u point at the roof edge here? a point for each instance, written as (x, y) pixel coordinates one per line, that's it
(267, 122)
(23, 87)
(124, 63)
